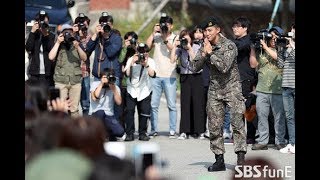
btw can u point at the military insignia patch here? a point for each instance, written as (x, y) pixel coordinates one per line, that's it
(210, 24)
(230, 47)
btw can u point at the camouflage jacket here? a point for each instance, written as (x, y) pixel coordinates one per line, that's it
(224, 74)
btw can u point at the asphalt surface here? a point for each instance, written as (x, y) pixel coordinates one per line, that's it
(189, 159)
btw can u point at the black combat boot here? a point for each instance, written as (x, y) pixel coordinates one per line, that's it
(218, 165)
(240, 159)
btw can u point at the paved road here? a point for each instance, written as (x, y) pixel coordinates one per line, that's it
(188, 159)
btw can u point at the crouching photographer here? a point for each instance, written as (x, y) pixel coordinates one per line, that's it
(104, 94)
(140, 68)
(192, 88)
(68, 54)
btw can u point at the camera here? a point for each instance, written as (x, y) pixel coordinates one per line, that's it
(133, 41)
(256, 37)
(105, 27)
(81, 24)
(82, 27)
(164, 27)
(183, 43)
(282, 40)
(110, 76)
(142, 48)
(68, 38)
(42, 23)
(54, 93)
(198, 41)
(145, 155)
(163, 23)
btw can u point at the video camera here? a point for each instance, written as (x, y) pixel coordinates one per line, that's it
(282, 40)
(142, 48)
(183, 43)
(256, 37)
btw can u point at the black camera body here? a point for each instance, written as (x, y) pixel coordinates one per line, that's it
(110, 76)
(183, 43)
(42, 23)
(68, 38)
(198, 41)
(105, 27)
(261, 35)
(133, 41)
(142, 48)
(282, 42)
(164, 27)
(141, 58)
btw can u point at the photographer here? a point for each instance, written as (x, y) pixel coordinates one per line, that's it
(269, 91)
(104, 94)
(248, 76)
(38, 46)
(287, 57)
(162, 40)
(140, 68)
(80, 28)
(192, 97)
(107, 46)
(68, 53)
(127, 51)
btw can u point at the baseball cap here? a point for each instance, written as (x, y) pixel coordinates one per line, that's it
(66, 26)
(277, 30)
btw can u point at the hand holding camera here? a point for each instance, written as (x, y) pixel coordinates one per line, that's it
(156, 29)
(35, 27)
(60, 38)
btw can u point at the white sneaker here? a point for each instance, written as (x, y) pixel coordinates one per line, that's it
(172, 134)
(123, 137)
(202, 136)
(227, 135)
(293, 149)
(207, 134)
(288, 149)
(182, 136)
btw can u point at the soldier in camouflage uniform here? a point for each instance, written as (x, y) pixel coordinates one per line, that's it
(224, 89)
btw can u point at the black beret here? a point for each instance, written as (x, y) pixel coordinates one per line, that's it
(211, 21)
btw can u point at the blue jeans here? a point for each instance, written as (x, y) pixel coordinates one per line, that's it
(226, 124)
(288, 95)
(169, 86)
(113, 127)
(85, 95)
(263, 103)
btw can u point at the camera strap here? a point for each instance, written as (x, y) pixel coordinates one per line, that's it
(141, 70)
(100, 58)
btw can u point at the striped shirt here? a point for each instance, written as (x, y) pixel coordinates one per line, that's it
(287, 59)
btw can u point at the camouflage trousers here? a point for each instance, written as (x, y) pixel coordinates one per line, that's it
(216, 113)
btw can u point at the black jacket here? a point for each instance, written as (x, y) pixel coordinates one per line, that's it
(33, 48)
